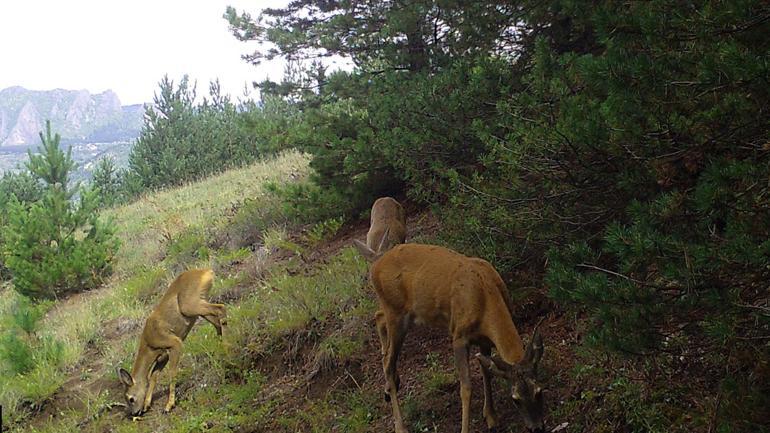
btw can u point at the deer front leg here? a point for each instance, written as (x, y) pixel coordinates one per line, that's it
(489, 408)
(150, 389)
(461, 361)
(396, 329)
(174, 353)
(159, 364)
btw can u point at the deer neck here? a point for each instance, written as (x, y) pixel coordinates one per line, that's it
(499, 328)
(143, 363)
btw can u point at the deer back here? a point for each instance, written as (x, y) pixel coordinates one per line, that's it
(440, 287)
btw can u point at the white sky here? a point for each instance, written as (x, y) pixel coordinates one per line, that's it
(126, 46)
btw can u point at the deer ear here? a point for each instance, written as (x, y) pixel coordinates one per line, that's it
(492, 365)
(125, 377)
(365, 251)
(537, 349)
(534, 351)
(384, 241)
(160, 363)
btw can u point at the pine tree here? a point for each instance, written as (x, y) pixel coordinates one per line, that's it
(58, 244)
(107, 182)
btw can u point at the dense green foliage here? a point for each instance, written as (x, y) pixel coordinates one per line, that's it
(614, 156)
(620, 151)
(184, 140)
(56, 244)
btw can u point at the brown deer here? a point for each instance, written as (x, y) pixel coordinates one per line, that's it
(387, 225)
(435, 286)
(163, 333)
(387, 228)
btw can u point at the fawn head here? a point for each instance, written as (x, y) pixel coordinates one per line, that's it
(136, 388)
(135, 392)
(527, 394)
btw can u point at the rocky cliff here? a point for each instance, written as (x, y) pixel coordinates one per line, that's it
(77, 115)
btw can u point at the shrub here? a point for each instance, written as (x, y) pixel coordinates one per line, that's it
(16, 353)
(22, 185)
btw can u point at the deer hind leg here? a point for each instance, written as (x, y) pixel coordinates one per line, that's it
(218, 322)
(213, 313)
(382, 330)
(156, 368)
(396, 329)
(489, 408)
(461, 361)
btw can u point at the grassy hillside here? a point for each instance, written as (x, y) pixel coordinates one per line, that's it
(160, 234)
(299, 354)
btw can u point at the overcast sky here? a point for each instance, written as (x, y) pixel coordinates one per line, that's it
(126, 46)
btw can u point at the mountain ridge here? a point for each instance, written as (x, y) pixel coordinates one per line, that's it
(77, 115)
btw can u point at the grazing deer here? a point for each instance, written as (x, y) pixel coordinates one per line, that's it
(432, 285)
(387, 225)
(387, 228)
(163, 333)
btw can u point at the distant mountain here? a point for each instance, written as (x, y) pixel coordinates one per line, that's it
(77, 115)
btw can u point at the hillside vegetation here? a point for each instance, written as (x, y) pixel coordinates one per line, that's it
(160, 235)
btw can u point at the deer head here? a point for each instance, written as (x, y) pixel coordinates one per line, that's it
(527, 394)
(135, 392)
(137, 388)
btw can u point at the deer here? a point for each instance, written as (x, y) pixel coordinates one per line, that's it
(435, 286)
(160, 343)
(387, 228)
(387, 223)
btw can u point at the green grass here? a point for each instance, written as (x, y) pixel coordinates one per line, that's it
(286, 303)
(145, 225)
(227, 394)
(206, 224)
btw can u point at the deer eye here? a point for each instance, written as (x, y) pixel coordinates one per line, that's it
(131, 399)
